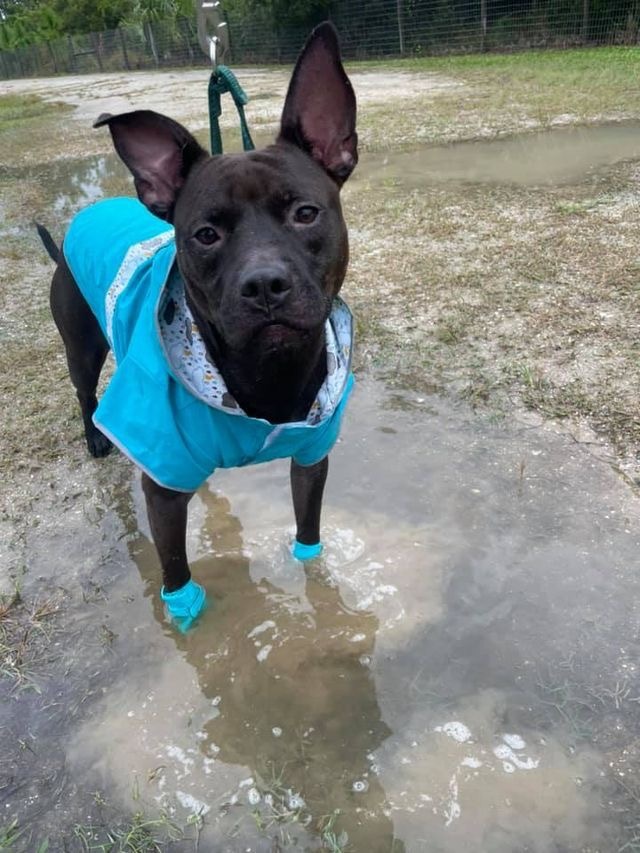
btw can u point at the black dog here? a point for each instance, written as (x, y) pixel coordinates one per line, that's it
(235, 348)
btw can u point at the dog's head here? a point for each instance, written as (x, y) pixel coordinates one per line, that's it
(261, 241)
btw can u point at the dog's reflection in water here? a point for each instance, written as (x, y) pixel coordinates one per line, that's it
(297, 699)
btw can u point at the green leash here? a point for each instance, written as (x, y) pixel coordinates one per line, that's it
(223, 80)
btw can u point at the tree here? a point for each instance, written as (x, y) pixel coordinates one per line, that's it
(30, 25)
(86, 16)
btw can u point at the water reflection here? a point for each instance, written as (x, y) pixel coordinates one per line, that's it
(550, 157)
(289, 678)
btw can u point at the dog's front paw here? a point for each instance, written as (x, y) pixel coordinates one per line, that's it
(98, 444)
(306, 552)
(184, 605)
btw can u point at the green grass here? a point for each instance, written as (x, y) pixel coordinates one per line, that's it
(611, 62)
(141, 834)
(138, 834)
(503, 94)
(9, 835)
(15, 109)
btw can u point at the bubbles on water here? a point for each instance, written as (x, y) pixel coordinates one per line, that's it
(276, 731)
(456, 730)
(263, 654)
(507, 755)
(189, 802)
(295, 802)
(360, 786)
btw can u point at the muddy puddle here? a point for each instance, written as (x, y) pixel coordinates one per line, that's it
(550, 157)
(453, 674)
(554, 157)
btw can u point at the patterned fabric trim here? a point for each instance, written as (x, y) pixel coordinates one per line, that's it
(136, 255)
(191, 364)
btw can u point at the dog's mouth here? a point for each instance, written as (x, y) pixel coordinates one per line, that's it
(279, 335)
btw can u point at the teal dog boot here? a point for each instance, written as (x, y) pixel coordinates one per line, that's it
(184, 605)
(306, 552)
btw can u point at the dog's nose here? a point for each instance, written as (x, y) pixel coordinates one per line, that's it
(266, 287)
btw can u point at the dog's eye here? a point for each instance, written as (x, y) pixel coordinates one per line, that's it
(306, 214)
(207, 236)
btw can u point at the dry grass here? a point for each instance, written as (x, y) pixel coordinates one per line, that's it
(26, 632)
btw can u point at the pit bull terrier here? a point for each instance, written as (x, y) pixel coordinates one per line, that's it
(217, 292)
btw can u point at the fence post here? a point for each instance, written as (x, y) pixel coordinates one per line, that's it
(585, 19)
(124, 49)
(483, 23)
(184, 31)
(151, 42)
(400, 27)
(96, 39)
(72, 56)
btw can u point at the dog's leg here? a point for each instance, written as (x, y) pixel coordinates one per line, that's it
(307, 488)
(86, 350)
(167, 511)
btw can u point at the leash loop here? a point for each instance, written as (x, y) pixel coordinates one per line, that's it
(222, 78)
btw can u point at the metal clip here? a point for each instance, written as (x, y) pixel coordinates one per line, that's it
(213, 33)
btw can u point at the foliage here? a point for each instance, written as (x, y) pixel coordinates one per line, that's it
(280, 13)
(30, 25)
(150, 11)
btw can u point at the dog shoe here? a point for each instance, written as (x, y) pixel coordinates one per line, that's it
(184, 605)
(306, 552)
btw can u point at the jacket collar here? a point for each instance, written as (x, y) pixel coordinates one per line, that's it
(191, 365)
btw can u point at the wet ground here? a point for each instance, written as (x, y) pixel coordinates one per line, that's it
(452, 674)
(547, 158)
(459, 671)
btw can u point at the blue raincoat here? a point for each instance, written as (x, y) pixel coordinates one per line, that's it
(167, 407)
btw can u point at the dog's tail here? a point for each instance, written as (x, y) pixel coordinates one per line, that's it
(48, 242)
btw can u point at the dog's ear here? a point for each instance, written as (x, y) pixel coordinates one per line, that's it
(159, 153)
(319, 113)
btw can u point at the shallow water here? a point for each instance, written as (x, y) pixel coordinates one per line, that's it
(550, 157)
(428, 678)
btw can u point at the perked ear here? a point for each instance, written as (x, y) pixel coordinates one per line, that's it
(158, 152)
(319, 113)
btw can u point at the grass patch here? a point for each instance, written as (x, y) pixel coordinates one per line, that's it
(15, 109)
(9, 835)
(502, 94)
(25, 637)
(140, 834)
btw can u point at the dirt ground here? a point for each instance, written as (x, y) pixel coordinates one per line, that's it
(504, 291)
(514, 295)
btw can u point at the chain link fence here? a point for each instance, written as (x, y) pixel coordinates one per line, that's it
(369, 29)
